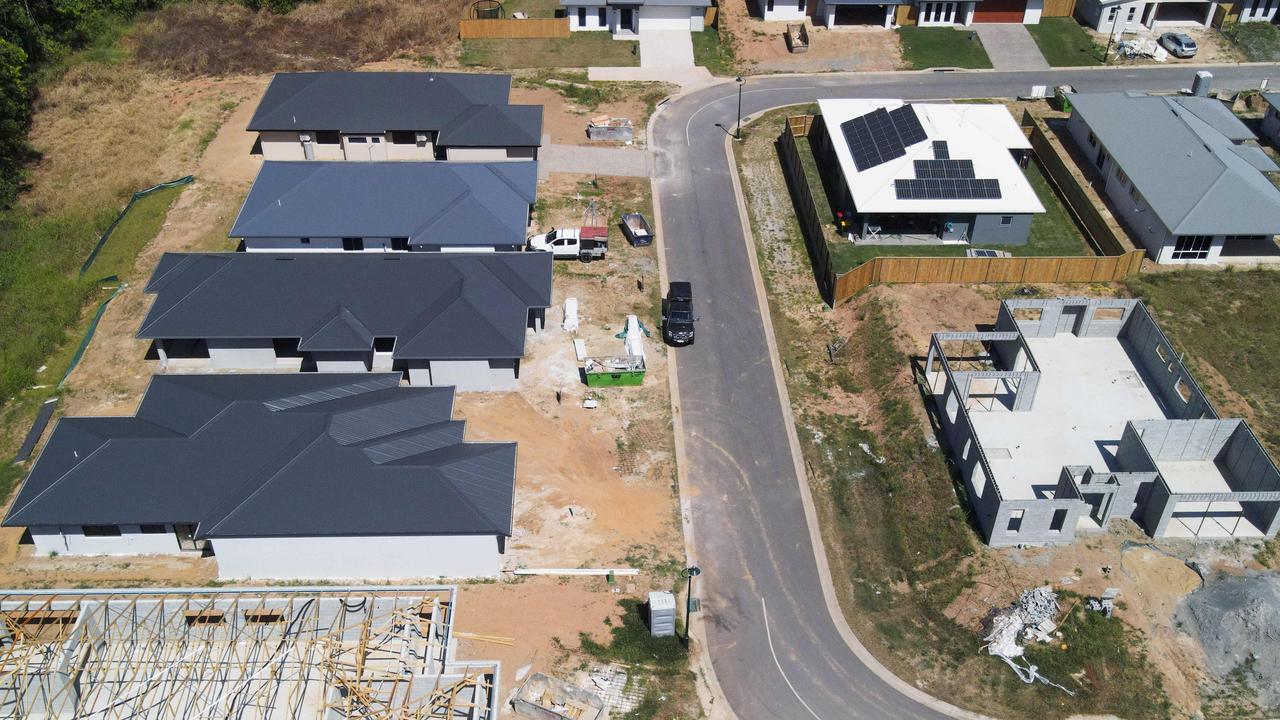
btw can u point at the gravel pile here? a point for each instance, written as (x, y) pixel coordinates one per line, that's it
(1234, 617)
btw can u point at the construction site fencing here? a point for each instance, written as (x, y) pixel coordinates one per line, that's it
(511, 29)
(106, 235)
(1116, 260)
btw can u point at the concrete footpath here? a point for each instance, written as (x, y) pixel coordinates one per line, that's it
(1010, 46)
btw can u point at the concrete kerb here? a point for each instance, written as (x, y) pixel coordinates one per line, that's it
(714, 702)
(793, 440)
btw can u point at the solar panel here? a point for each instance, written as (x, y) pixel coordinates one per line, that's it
(940, 150)
(944, 168)
(907, 124)
(946, 189)
(872, 139)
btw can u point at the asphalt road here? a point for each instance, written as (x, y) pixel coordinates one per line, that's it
(749, 530)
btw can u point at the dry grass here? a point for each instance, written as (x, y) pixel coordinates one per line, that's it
(194, 39)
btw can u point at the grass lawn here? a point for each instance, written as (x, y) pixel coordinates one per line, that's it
(579, 50)
(1064, 43)
(935, 47)
(1259, 41)
(712, 52)
(1052, 233)
(119, 255)
(533, 8)
(1226, 320)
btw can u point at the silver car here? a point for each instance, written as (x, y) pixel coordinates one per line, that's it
(1179, 44)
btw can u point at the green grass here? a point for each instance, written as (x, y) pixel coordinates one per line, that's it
(534, 8)
(1225, 320)
(1259, 41)
(1064, 43)
(661, 663)
(120, 254)
(713, 52)
(939, 47)
(581, 49)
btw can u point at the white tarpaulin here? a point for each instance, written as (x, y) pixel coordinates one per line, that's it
(570, 314)
(635, 337)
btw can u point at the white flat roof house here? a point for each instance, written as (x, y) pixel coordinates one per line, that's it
(626, 18)
(951, 171)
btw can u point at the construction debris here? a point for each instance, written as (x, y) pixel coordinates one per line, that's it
(546, 698)
(607, 127)
(1030, 618)
(1106, 603)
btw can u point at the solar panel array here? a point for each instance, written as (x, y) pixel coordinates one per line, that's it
(932, 169)
(947, 189)
(940, 150)
(882, 135)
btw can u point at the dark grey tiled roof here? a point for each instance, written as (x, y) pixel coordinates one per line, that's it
(273, 456)
(431, 203)
(438, 306)
(376, 102)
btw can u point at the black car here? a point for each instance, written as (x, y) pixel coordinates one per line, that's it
(677, 314)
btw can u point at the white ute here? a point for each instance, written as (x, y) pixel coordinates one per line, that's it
(586, 244)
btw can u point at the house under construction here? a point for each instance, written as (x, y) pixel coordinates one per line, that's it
(325, 653)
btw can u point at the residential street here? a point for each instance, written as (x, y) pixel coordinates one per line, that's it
(750, 534)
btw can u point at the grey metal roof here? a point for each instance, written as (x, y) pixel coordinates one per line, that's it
(1273, 99)
(431, 203)
(1180, 154)
(376, 102)
(633, 3)
(360, 456)
(438, 306)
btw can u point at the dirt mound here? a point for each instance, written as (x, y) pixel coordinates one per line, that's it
(223, 38)
(1235, 619)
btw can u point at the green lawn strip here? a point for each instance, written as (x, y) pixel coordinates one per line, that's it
(143, 222)
(582, 49)
(1259, 41)
(534, 8)
(1064, 43)
(938, 47)
(712, 52)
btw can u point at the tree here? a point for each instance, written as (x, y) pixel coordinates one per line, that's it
(15, 117)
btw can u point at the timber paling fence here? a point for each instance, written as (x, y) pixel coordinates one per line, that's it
(1116, 263)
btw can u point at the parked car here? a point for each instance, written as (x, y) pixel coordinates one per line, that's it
(677, 314)
(1179, 44)
(586, 244)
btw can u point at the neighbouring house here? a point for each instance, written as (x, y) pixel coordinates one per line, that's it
(279, 477)
(1257, 10)
(925, 173)
(1108, 16)
(395, 116)
(1184, 174)
(420, 206)
(1074, 412)
(784, 9)
(1271, 120)
(439, 319)
(626, 18)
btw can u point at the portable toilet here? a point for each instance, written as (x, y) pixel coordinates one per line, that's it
(662, 614)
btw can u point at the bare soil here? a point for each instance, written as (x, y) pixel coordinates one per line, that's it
(760, 47)
(566, 122)
(1214, 47)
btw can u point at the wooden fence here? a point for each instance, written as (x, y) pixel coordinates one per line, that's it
(526, 29)
(835, 289)
(1058, 8)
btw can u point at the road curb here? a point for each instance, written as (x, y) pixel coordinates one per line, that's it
(715, 703)
(810, 511)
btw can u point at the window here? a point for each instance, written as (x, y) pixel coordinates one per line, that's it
(1111, 14)
(1245, 238)
(1183, 389)
(1192, 247)
(1059, 519)
(353, 243)
(1109, 314)
(1093, 139)
(800, 5)
(1015, 520)
(100, 530)
(356, 139)
(328, 137)
(1122, 177)
(399, 243)
(1006, 219)
(1137, 196)
(582, 17)
(603, 17)
(263, 616)
(375, 139)
(154, 529)
(1132, 9)
(205, 617)
(305, 241)
(404, 137)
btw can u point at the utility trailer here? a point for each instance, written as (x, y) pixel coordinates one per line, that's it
(637, 229)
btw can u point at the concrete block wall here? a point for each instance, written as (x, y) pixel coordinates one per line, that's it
(1158, 510)
(1249, 468)
(1184, 439)
(1164, 373)
(1037, 518)
(984, 496)
(1076, 315)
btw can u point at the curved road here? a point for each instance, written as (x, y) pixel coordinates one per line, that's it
(749, 529)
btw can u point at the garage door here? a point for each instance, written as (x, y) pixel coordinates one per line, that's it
(664, 18)
(1000, 11)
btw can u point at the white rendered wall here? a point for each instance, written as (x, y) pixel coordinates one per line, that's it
(342, 361)
(70, 540)
(787, 9)
(395, 151)
(592, 20)
(697, 20)
(469, 154)
(316, 244)
(242, 354)
(357, 558)
(1032, 15)
(471, 375)
(665, 18)
(281, 146)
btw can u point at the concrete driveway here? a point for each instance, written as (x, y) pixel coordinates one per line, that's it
(779, 645)
(1010, 46)
(666, 48)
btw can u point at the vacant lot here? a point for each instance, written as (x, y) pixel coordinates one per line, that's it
(759, 46)
(579, 50)
(1064, 43)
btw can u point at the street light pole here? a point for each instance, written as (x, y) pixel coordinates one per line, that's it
(691, 573)
(737, 130)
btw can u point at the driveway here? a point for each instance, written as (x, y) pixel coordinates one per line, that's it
(1010, 46)
(666, 49)
(587, 160)
(777, 648)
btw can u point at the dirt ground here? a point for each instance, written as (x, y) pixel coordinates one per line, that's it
(760, 48)
(1214, 47)
(565, 122)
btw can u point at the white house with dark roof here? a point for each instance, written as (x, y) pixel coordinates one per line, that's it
(282, 477)
(626, 18)
(946, 173)
(374, 116)
(1184, 174)
(1131, 15)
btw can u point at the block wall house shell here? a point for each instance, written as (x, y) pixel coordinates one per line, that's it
(284, 477)
(1136, 486)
